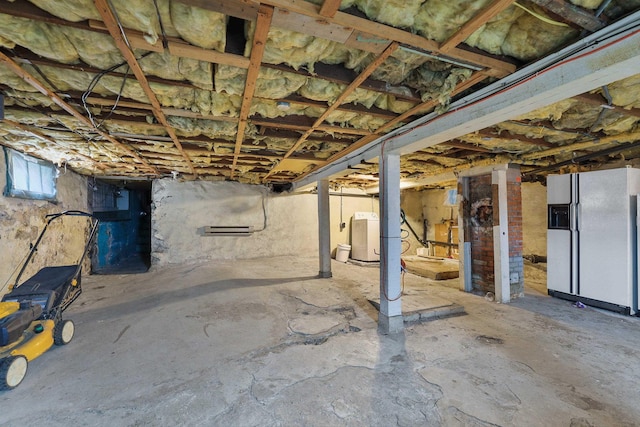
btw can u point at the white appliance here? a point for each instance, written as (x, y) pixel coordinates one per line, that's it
(365, 236)
(592, 238)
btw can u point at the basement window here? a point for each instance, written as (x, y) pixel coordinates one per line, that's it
(29, 178)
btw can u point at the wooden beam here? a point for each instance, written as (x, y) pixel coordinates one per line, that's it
(265, 13)
(243, 9)
(27, 77)
(495, 67)
(114, 29)
(329, 8)
(572, 13)
(474, 23)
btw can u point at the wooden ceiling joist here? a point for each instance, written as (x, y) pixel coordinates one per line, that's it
(263, 23)
(114, 28)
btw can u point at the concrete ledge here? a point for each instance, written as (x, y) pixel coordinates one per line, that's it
(434, 313)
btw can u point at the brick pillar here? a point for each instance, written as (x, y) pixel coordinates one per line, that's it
(481, 221)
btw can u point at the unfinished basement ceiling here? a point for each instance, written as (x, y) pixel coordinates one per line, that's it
(268, 92)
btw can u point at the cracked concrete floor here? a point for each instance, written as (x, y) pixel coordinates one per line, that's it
(265, 343)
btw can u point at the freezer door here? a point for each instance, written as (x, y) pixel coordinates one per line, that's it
(606, 224)
(559, 233)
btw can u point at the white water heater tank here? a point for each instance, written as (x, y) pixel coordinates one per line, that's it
(365, 236)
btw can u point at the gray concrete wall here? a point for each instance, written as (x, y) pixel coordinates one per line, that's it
(534, 218)
(292, 220)
(350, 205)
(182, 209)
(22, 219)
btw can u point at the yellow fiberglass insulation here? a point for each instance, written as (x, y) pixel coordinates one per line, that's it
(391, 103)
(172, 67)
(194, 127)
(397, 67)
(439, 19)
(134, 128)
(579, 115)
(271, 83)
(34, 99)
(44, 39)
(291, 48)
(11, 79)
(399, 13)
(491, 35)
(626, 93)
(323, 90)
(224, 104)
(278, 144)
(183, 97)
(614, 123)
(95, 49)
(71, 10)
(269, 108)
(349, 57)
(550, 112)
(203, 28)
(436, 84)
(587, 4)
(529, 37)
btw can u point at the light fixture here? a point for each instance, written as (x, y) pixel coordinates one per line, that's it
(283, 105)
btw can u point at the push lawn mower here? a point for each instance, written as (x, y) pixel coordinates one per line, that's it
(31, 313)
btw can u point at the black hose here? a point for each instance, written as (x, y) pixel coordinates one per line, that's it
(403, 220)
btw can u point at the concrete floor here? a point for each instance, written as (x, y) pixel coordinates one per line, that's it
(265, 343)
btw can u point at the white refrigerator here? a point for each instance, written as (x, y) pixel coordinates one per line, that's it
(592, 237)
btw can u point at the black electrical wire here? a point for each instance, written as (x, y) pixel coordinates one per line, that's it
(403, 220)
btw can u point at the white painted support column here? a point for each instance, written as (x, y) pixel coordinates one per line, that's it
(324, 229)
(464, 239)
(390, 316)
(501, 237)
